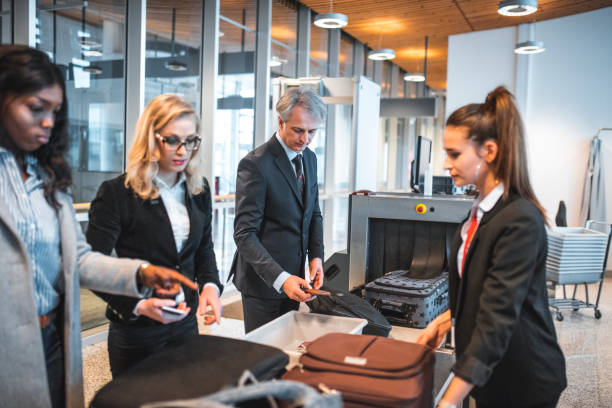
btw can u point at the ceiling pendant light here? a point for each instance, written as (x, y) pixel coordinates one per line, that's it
(173, 64)
(531, 46)
(382, 54)
(517, 7)
(331, 19)
(414, 77)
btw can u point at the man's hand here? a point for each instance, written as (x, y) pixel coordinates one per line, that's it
(293, 289)
(152, 308)
(316, 272)
(209, 297)
(167, 282)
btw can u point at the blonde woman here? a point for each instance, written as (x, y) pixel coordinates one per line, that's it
(159, 210)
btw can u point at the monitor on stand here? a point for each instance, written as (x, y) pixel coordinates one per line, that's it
(422, 157)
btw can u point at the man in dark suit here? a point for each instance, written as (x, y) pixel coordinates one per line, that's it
(278, 220)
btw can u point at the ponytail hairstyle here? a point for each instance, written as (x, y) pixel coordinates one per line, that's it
(499, 120)
(144, 154)
(26, 71)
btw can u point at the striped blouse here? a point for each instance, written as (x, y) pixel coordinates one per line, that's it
(37, 224)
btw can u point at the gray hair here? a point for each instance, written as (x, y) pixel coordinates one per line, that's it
(304, 97)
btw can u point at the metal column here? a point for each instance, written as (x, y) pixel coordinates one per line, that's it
(136, 24)
(303, 42)
(262, 71)
(358, 58)
(24, 22)
(210, 67)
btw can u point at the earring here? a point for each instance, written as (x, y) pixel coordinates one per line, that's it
(477, 171)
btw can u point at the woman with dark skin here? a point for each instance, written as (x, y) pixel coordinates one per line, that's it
(45, 255)
(505, 341)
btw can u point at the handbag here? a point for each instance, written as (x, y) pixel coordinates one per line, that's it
(369, 371)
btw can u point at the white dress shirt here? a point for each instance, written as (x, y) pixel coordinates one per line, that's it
(481, 206)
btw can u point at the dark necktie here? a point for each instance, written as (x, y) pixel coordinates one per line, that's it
(299, 173)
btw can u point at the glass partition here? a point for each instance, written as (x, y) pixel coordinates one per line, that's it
(88, 44)
(318, 51)
(346, 55)
(174, 36)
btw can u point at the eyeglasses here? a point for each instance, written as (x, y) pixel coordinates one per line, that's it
(174, 143)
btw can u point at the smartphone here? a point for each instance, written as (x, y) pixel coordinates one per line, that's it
(173, 310)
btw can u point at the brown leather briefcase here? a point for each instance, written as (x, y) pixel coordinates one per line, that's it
(369, 371)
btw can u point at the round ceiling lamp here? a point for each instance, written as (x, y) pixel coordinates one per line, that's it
(529, 47)
(174, 65)
(382, 54)
(517, 7)
(331, 20)
(93, 69)
(414, 77)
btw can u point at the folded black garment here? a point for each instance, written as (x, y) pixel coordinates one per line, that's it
(199, 366)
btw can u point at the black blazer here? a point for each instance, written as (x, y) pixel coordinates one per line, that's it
(274, 229)
(505, 339)
(136, 228)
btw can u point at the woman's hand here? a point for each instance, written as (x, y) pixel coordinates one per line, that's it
(209, 297)
(435, 331)
(152, 308)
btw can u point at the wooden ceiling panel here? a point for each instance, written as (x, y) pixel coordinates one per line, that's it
(403, 24)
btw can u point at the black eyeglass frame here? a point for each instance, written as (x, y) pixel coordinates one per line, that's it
(197, 140)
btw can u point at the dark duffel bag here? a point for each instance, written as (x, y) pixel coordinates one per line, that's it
(369, 371)
(342, 303)
(200, 366)
(287, 393)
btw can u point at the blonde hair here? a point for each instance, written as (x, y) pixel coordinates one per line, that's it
(144, 154)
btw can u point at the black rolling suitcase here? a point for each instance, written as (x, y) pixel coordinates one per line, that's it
(409, 301)
(343, 303)
(202, 365)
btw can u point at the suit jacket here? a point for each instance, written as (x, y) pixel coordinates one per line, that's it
(274, 229)
(505, 339)
(120, 220)
(23, 377)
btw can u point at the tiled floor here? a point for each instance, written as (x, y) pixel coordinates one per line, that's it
(586, 342)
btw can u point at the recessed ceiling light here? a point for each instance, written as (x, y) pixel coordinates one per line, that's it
(382, 54)
(517, 7)
(414, 77)
(529, 47)
(331, 20)
(174, 65)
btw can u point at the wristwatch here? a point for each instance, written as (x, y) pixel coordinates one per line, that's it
(141, 268)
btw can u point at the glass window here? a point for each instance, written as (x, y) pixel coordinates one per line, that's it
(318, 51)
(173, 48)
(385, 86)
(284, 39)
(346, 55)
(235, 104)
(401, 84)
(234, 118)
(5, 22)
(88, 44)
(240, 11)
(369, 69)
